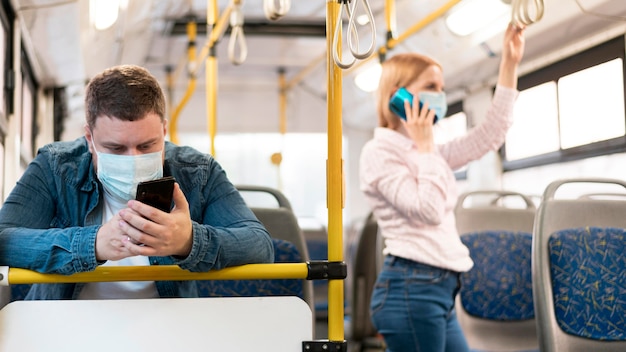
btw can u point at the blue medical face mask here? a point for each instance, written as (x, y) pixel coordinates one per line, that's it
(120, 174)
(436, 102)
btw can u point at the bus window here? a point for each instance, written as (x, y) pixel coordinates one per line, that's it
(303, 163)
(591, 104)
(572, 109)
(535, 130)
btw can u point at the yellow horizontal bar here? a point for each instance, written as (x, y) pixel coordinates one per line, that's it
(163, 273)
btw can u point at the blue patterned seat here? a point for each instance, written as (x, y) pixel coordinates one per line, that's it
(499, 286)
(18, 292)
(495, 303)
(587, 266)
(579, 268)
(284, 252)
(281, 222)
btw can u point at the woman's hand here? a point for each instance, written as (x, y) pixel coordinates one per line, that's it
(419, 125)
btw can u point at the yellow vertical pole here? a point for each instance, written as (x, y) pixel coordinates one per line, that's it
(282, 101)
(390, 17)
(191, 85)
(169, 84)
(282, 122)
(334, 175)
(211, 75)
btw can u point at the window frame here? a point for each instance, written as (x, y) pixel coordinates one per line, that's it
(8, 78)
(28, 149)
(609, 50)
(455, 108)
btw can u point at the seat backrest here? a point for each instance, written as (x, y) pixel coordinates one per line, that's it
(366, 266)
(317, 245)
(493, 214)
(284, 252)
(282, 224)
(495, 303)
(280, 220)
(578, 266)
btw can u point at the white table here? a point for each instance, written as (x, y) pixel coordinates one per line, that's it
(188, 324)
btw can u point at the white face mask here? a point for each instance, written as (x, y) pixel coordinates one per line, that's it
(436, 102)
(120, 174)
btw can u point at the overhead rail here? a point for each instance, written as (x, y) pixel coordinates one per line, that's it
(216, 27)
(276, 9)
(305, 71)
(352, 33)
(393, 41)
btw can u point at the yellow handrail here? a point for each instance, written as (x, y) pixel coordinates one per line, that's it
(163, 273)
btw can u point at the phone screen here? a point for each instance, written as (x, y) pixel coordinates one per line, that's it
(396, 103)
(157, 193)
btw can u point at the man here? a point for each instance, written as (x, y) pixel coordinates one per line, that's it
(74, 208)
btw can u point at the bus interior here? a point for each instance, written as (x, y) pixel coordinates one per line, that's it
(271, 90)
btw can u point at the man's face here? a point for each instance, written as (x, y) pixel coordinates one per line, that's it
(114, 136)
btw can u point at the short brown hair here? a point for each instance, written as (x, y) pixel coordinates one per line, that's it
(125, 92)
(398, 71)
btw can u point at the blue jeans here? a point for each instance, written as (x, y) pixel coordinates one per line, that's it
(413, 307)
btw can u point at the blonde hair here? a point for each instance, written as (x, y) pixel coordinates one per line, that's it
(399, 71)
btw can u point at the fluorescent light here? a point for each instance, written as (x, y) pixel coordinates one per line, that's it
(367, 80)
(103, 13)
(363, 20)
(472, 15)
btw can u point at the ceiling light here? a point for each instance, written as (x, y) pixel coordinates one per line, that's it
(367, 80)
(103, 13)
(363, 20)
(472, 15)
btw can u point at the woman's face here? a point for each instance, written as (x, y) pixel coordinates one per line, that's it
(431, 80)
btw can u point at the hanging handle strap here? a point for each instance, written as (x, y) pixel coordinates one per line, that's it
(352, 33)
(522, 11)
(237, 38)
(276, 9)
(354, 46)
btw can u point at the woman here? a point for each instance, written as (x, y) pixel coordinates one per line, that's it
(410, 185)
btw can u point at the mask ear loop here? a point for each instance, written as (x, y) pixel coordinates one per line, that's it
(93, 142)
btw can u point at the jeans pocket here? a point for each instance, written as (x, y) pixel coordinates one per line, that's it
(379, 296)
(427, 275)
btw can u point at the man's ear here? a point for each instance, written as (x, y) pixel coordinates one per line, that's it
(89, 137)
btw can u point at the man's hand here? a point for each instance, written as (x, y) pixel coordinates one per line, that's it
(153, 232)
(111, 241)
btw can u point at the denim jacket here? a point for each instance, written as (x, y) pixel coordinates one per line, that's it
(50, 220)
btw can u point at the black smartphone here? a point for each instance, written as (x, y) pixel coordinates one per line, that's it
(396, 103)
(157, 193)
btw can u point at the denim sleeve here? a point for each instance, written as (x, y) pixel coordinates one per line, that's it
(225, 231)
(36, 231)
